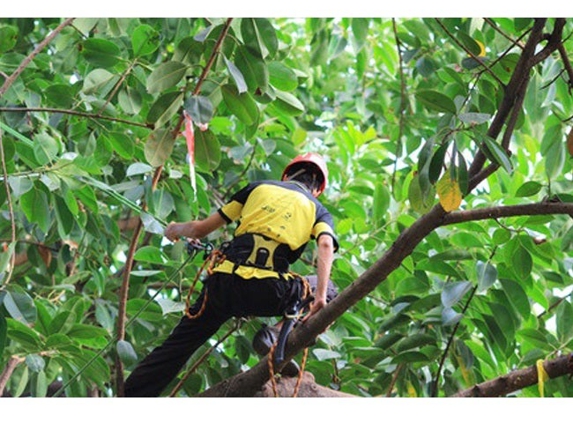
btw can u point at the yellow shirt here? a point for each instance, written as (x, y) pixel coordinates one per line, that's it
(284, 212)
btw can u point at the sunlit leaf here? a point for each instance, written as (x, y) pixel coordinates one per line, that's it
(449, 193)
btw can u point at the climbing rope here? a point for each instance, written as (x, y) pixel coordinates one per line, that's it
(212, 258)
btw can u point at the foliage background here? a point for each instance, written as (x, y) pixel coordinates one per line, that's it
(400, 107)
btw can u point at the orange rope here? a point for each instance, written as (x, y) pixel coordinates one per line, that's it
(215, 258)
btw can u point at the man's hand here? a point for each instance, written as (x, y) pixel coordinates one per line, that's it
(315, 306)
(173, 231)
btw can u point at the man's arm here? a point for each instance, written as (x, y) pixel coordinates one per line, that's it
(195, 229)
(323, 268)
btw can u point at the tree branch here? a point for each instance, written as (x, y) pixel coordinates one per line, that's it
(512, 90)
(73, 113)
(519, 379)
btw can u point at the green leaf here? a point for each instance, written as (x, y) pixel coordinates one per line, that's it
(437, 101)
(159, 146)
(522, 263)
(165, 76)
(144, 40)
(60, 95)
(360, 32)
(469, 43)
(126, 352)
(288, 104)
(564, 321)
(241, 105)
(164, 108)
(3, 333)
(419, 201)
(99, 82)
(474, 118)
(101, 52)
(381, 203)
(149, 311)
(453, 292)
(414, 341)
(517, 297)
(130, 100)
(529, 188)
(20, 306)
(324, 354)
(46, 148)
(150, 254)
(207, 150)
(237, 76)
(450, 317)
(122, 144)
(40, 388)
(259, 36)
(534, 337)
(486, 274)
(8, 38)
(409, 357)
(23, 334)
(200, 109)
(437, 163)
(62, 322)
(253, 68)
(86, 332)
(35, 363)
(282, 77)
(497, 154)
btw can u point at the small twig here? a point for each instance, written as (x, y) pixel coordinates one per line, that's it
(403, 102)
(10, 213)
(13, 362)
(10, 80)
(73, 113)
(471, 54)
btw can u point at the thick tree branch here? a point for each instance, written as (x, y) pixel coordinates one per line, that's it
(512, 90)
(519, 379)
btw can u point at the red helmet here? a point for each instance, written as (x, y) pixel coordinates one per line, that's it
(312, 158)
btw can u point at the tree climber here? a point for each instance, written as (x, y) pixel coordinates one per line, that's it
(276, 220)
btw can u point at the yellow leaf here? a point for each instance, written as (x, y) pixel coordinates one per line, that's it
(542, 376)
(482, 49)
(411, 390)
(449, 193)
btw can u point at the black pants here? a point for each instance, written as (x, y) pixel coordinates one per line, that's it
(227, 296)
